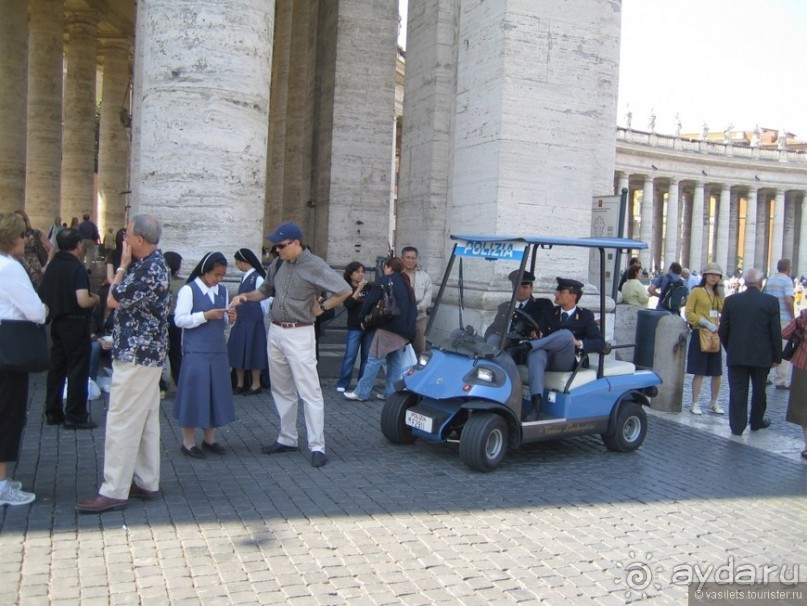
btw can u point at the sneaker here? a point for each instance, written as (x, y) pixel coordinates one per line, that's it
(695, 409)
(340, 389)
(15, 496)
(717, 408)
(352, 395)
(381, 396)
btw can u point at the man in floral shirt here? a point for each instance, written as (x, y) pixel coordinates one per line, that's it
(140, 293)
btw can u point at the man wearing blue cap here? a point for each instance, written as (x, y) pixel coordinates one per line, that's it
(571, 329)
(296, 284)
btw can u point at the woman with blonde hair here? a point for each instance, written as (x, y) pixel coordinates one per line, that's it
(18, 301)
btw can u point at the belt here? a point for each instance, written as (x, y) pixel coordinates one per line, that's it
(292, 324)
(75, 317)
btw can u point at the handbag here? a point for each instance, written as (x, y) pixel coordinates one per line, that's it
(23, 346)
(384, 309)
(792, 344)
(710, 341)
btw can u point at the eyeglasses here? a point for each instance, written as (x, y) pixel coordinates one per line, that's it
(283, 245)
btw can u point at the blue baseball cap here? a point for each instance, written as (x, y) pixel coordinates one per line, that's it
(287, 231)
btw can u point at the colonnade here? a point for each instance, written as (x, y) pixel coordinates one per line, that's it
(695, 222)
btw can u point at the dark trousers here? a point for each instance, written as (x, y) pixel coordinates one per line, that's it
(13, 405)
(69, 359)
(174, 352)
(738, 396)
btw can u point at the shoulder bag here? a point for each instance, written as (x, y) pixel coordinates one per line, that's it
(23, 346)
(710, 341)
(793, 343)
(385, 309)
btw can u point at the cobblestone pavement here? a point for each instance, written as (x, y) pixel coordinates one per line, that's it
(558, 523)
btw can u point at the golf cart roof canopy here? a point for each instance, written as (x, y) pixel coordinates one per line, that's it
(619, 243)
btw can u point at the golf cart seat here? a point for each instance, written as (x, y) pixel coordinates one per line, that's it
(557, 381)
(612, 367)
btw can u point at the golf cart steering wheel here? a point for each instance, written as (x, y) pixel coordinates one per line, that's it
(531, 323)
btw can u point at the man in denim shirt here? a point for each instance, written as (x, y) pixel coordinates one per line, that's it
(140, 292)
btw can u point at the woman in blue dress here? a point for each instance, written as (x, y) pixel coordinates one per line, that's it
(247, 344)
(204, 398)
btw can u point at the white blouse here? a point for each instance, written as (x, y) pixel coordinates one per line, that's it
(183, 317)
(18, 299)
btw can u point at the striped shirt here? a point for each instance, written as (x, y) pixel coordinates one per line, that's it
(780, 286)
(297, 284)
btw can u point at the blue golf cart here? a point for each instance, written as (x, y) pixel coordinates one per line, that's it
(469, 389)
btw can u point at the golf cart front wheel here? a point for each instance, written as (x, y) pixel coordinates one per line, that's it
(393, 417)
(483, 442)
(629, 429)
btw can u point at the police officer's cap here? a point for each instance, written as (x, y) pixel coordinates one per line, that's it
(527, 278)
(570, 285)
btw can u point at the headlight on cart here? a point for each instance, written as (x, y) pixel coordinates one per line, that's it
(423, 359)
(485, 375)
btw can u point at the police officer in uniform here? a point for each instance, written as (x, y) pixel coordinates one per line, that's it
(571, 330)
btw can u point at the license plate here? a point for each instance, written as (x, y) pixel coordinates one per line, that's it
(419, 421)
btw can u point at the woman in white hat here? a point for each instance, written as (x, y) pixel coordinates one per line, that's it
(703, 308)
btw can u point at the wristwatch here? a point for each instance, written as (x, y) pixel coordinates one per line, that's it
(322, 307)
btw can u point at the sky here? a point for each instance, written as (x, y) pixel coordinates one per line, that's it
(719, 62)
(739, 62)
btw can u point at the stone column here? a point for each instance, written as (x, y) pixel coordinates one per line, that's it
(761, 259)
(13, 106)
(203, 122)
(722, 228)
(778, 235)
(657, 246)
(789, 241)
(801, 267)
(44, 139)
(749, 242)
(276, 159)
(504, 102)
(78, 147)
(685, 220)
(673, 225)
(113, 148)
(734, 222)
(696, 229)
(646, 231)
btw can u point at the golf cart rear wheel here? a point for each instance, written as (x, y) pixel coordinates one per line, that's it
(393, 417)
(629, 430)
(483, 442)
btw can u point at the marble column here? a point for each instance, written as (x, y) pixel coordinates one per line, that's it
(44, 137)
(657, 245)
(113, 145)
(722, 228)
(696, 227)
(13, 107)
(734, 224)
(646, 231)
(673, 225)
(749, 242)
(199, 146)
(801, 267)
(778, 234)
(78, 146)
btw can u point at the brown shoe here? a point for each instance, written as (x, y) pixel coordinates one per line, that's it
(135, 492)
(100, 504)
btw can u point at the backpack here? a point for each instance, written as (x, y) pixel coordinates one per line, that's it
(674, 296)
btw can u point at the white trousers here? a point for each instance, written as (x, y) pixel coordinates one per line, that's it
(294, 377)
(132, 447)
